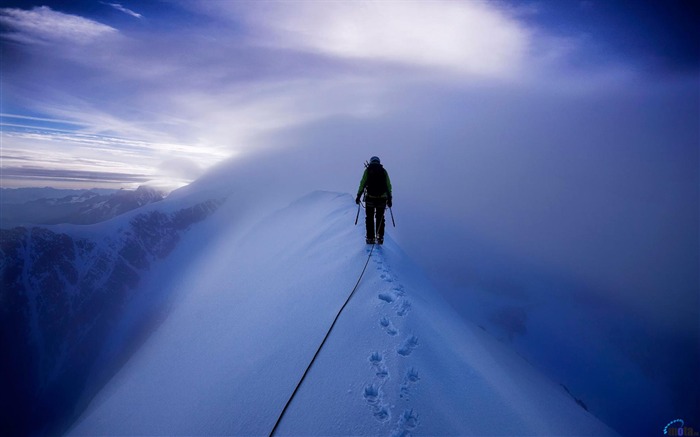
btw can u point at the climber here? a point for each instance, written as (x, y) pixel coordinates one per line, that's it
(377, 188)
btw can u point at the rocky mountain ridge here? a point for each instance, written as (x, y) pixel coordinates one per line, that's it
(61, 295)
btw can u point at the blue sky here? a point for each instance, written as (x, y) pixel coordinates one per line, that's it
(100, 93)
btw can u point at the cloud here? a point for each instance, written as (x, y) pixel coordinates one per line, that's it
(64, 156)
(472, 38)
(180, 168)
(42, 25)
(178, 89)
(71, 175)
(121, 8)
(31, 119)
(240, 71)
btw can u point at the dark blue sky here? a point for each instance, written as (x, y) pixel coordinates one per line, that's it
(663, 36)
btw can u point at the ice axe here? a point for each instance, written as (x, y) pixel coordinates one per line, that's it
(392, 217)
(359, 205)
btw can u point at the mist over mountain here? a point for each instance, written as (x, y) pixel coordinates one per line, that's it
(48, 206)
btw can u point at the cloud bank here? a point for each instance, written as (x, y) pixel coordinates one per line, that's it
(244, 69)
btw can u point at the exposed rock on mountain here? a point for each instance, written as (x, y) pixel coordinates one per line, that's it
(60, 296)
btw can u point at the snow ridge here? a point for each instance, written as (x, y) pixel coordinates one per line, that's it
(398, 362)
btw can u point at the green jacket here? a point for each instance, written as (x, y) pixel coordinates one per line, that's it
(363, 184)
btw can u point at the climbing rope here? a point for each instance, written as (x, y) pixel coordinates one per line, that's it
(289, 401)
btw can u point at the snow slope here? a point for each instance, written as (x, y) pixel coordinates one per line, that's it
(249, 318)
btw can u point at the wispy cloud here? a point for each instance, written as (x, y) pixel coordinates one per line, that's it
(48, 175)
(121, 8)
(43, 25)
(30, 118)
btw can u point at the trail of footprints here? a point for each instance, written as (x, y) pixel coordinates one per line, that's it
(394, 304)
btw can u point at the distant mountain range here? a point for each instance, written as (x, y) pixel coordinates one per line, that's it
(64, 289)
(48, 206)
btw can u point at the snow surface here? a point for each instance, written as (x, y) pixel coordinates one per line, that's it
(247, 318)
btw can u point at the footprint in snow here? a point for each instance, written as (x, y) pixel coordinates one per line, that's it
(376, 362)
(382, 372)
(386, 296)
(399, 290)
(375, 358)
(386, 277)
(374, 397)
(404, 308)
(371, 394)
(408, 345)
(388, 326)
(384, 273)
(408, 421)
(382, 413)
(409, 380)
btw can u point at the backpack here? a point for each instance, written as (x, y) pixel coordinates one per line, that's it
(376, 180)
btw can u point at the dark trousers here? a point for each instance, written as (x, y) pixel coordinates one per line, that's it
(375, 211)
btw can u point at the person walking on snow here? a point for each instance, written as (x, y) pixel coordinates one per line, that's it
(376, 185)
